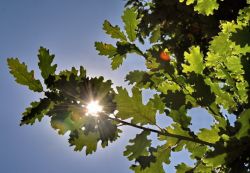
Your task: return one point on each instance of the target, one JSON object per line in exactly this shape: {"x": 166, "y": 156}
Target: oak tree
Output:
{"x": 198, "y": 56}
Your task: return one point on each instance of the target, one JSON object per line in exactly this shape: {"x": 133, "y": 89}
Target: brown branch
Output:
{"x": 165, "y": 133}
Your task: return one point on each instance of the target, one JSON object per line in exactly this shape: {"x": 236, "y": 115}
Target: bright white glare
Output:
{"x": 93, "y": 108}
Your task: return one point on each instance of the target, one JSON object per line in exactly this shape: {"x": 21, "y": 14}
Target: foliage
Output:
{"x": 20, "y": 72}
{"x": 209, "y": 69}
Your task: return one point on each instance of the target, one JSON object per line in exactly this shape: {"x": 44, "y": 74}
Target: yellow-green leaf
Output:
{"x": 209, "y": 135}
{"x": 114, "y": 31}
{"x": 194, "y": 61}
{"x": 131, "y": 23}
{"x": 23, "y": 76}
{"x": 133, "y": 107}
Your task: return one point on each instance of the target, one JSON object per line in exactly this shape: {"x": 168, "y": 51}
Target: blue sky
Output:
{"x": 69, "y": 29}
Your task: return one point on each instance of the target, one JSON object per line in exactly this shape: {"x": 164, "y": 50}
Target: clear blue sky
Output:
{"x": 69, "y": 29}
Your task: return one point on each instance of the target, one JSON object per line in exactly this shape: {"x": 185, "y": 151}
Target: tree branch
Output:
{"x": 165, "y": 133}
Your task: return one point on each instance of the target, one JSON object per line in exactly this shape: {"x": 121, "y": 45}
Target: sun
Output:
{"x": 93, "y": 108}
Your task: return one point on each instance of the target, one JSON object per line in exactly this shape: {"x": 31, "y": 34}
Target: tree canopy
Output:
{"x": 208, "y": 44}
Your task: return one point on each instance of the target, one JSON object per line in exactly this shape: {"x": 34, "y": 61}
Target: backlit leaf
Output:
{"x": 23, "y": 76}
{"x": 36, "y": 111}
{"x": 117, "y": 61}
{"x": 79, "y": 140}
{"x": 114, "y": 31}
{"x": 45, "y": 60}
{"x": 158, "y": 103}
{"x": 206, "y": 7}
{"x": 194, "y": 60}
{"x": 138, "y": 147}
{"x": 130, "y": 21}
{"x": 209, "y": 135}
{"x": 61, "y": 120}
{"x": 133, "y": 107}
{"x": 166, "y": 86}
{"x": 215, "y": 160}
{"x": 105, "y": 49}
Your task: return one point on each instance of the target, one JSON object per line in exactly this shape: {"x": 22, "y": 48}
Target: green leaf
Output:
{"x": 132, "y": 107}
{"x": 45, "y": 60}
{"x": 167, "y": 85}
{"x": 124, "y": 47}
{"x": 152, "y": 62}
{"x": 156, "y": 34}
{"x": 117, "y": 61}
{"x": 175, "y": 100}
{"x": 162, "y": 155}
{"x": 139, "y": 146}
{"x": 209, "y": 135}
{"x": 176, "y": 129}
{"x": 22, "y": 76}
{"x": 220, "y": 45}
{"x": 62, "y": 122}
{"x": 234, "y": 66}
{"x": 222, "y": 97}
{"x": 172, "y": 142}
{"x": 182, "y": 168}
{"x": 108, "y": 131}
{"x": 243, "y": 122}
{"x": 36, "y": 111}
{"x": 145, "y": 161}
{"x": 180, "y": 116}
{"x": 195, "y": 61}
{"x": 62, "y": 119}
{"x": 206, "y": 7}
{"x": 79, "y": 139}
{"x": 216, "y": 160}
{"x": 241, "y": 36}
{"x": 196, "y": 150}
{"x": 135, "y": 77}
{"x": 78, "y": 74}
{"x": 117, "y": 55}
{"x": 158, "y": 103}
{"x": 114, "y": 31}
{"x": 242, "y": 88}
{"x": 105, "y": 49}
{"x": 131, "y": 23}
{"x": 203, "y": 168}
{"x": 201, "y": 90}
{"x": 188, "y": 2}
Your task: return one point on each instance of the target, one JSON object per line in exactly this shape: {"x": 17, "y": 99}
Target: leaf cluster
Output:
{"x": 179, "y": 24}
{"x": 209, "y": 46}
{"x": 209, "y": 69}
{"x": 66, "y": 96}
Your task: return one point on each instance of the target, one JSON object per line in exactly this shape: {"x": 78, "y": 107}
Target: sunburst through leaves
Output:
{"x": 94, "y": 108}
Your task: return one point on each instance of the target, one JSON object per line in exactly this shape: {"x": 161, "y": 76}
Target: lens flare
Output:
{"x": 93, "y": 108}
